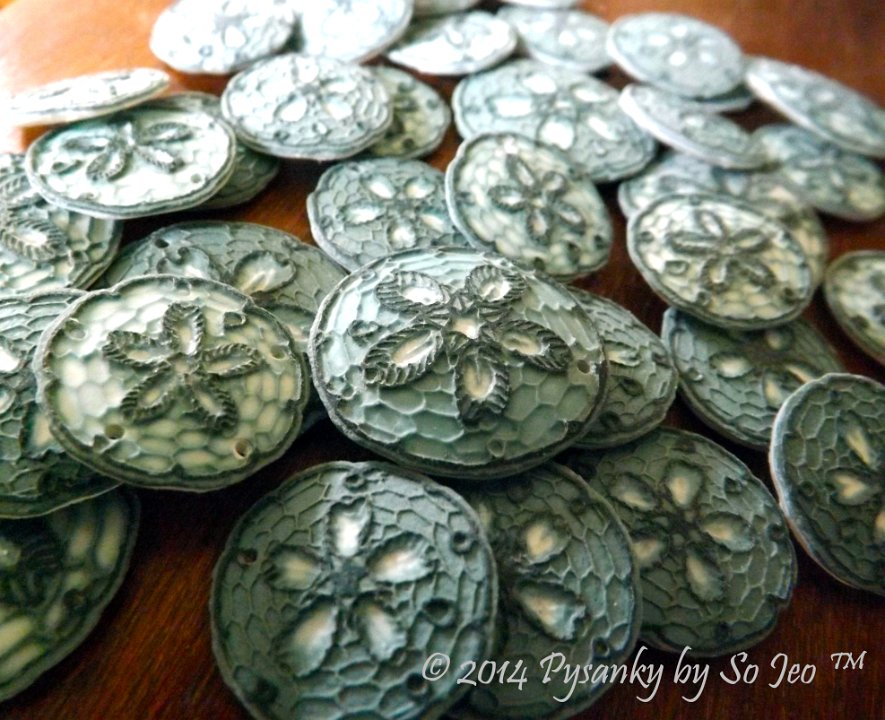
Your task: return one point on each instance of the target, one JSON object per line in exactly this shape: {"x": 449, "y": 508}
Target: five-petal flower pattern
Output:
{"x": 675, "y": 523}
{"x": 182, "y": 363}
{"x": 539, "y": 199}
{"x": 352, "y": 592}
{"x": 26, "y": 229}
{"x": 726, "y": 255}
{"x": 412, "y": 211}
{"x": 125, "y": 139}
{"x": 472, "y": 327}
{"x": 861, "y": 482}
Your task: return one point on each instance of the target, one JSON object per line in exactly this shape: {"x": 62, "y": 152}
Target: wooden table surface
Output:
{"x": 150, "y": 658}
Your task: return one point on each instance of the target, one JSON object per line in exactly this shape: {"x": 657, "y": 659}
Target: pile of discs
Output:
{"x": 432, "y": 324}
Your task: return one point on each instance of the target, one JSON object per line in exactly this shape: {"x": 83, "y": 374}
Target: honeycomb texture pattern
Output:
{"x": 457, "y": 363}
{"x": 714, "y": 551}
{"x": 568, "y": 585}
{"x": 171, "y": 382}
{"x": 59, "y": 572}
{"x": 43, "y": 247}
{"x": 335, "y": 588}
{"x": 828, "y": 462}
{"x": 642, "y": 379}
{"x": 736, "y": 381}
{"x": 281, "y": 274}
{"x": 36, "y": 475}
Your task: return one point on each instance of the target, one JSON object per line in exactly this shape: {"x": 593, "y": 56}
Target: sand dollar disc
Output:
{"x": 529, "y": 202}
{"x": 86, "y": 96}
{"x": 307, "y": 108}
{"x": 143, "y": 161}
{"x": 855, "y": 293}
{"x": 456, "y": 44}
{"x": 714, "y": 551}
{"x": 642, "y": 378}
{"x": 456, "y": 362}
{"x": 194, "y": 36}
{"x": 171, "y": 382}
{"x": 827, "y": 108}
{"x": 721, "y": 260}
{"x": 689, "y": 128}
{"x": 769, "y": 191}
{"x": 365, "y": 210}
{"x": 677, "y": 53}
{"x": 828, "y": 464}
{"x": 421, "y": 117}
{"x": 736, "y": 380}
{"x": 335, "y": 588}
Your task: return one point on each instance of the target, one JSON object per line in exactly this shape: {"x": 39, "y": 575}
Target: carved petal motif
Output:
{"x": 379, "y": 629}
{"x": 552, "y": 608}
{"x": 403, "y": 356}
{"x": 294, "y": 568}
{"x": 230, "y": 360}
{"x": 183, "y": 328}
{"x": 348, "y": 527}
{"x": 136, "y": 350}
{"x": 535, "y": 344}
{"x": 261, "y": 272}
{"x": 303, "y": 648}
{"x": 403, "y": 559}
{"x": 482, "y": 383}
{"x": 152, "y": 396}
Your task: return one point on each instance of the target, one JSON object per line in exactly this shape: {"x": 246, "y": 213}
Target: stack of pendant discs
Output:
{"x": 526, "y": 501}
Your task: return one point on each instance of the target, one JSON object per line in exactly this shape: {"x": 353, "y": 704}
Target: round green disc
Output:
{"x": 336, "y": 588}
{"x": 457, "y": 363}
{"x": 714, "y": 551}
{"x": 828, "y": 463}
{"x": 173, "y": 382}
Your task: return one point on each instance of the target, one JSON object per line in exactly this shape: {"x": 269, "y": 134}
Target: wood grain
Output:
{"x": 151, "y": 658}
